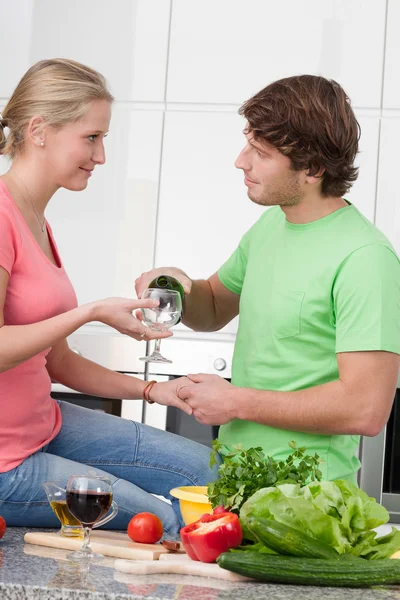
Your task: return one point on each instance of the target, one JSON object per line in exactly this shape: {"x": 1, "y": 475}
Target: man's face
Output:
{"x": 268, "y": 176}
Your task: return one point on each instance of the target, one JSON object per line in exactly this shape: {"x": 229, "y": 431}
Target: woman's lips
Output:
{"x": 88, "y": 171}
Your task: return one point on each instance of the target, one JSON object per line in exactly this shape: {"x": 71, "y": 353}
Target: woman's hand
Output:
{"x": 166, "y": 393}
{"x": 117, "y": 313}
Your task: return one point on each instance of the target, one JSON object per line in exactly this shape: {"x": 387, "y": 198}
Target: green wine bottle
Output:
{"x": 167, "y": 282}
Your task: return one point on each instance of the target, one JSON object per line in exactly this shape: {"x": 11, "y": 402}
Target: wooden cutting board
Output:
{"x": 177, "y": 566}
{"x": 108, "y": 543}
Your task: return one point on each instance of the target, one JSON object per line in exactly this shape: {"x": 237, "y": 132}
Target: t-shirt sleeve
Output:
{"x": 232, "y": 272}
{"x": 7, "y": 242}
{"x": 366, "y": 299}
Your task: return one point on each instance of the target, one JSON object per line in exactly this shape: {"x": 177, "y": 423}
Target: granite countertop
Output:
{"x": 30, "y": 572}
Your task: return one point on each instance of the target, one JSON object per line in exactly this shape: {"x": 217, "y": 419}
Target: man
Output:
{"x": 317, "y": 351}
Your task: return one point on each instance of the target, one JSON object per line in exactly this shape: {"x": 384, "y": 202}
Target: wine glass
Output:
{"x": 161, "y": 317}
{"x": 88, "y": 499}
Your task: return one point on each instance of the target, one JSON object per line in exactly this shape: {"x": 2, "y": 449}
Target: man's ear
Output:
{"x": 35, "y": 131}
{"x": 315, "y": 177}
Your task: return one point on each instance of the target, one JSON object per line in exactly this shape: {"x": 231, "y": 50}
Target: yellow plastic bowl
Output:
{"x": 193, "y": 502}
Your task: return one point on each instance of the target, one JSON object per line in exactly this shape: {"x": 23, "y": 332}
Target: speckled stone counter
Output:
{"x": 33, "y": 572}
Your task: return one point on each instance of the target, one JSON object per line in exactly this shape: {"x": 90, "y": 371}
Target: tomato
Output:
{"x": 145, "y": 528}
{"x": 2, "y": 527}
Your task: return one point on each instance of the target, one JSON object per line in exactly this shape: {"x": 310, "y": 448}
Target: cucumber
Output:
{"x": 311, "y": 571}
{"x": 286, "y": 540}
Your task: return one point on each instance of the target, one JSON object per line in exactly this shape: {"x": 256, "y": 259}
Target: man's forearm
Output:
{"x": 199, "y": 309}
{"x": 331, "y": 408}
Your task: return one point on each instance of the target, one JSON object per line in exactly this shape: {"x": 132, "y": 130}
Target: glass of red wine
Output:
{"x": 88, "y": 500}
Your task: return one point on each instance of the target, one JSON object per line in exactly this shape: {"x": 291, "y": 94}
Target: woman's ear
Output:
{"x": 35, "y": 131}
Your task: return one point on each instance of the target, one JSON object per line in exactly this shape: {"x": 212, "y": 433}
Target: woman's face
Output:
{"x": 71, "y": 152}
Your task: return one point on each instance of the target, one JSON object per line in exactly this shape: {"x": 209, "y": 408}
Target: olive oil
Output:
{"x": 70, "y": 525}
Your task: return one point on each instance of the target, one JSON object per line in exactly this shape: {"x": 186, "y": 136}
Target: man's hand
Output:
{"x": 212, "y": 399}
{"x": 168, "y": 393}
{"x": 143, "y": 281}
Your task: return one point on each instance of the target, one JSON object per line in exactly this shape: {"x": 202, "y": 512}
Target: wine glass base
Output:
{"x": 80, "y": 556}
{"x": 157, "y": 358}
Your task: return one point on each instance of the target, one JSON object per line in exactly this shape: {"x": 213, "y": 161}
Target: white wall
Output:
{"x": 179, "y": 70}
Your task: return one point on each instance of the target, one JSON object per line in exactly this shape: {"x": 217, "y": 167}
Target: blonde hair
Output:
{"x": 58, "y": 90}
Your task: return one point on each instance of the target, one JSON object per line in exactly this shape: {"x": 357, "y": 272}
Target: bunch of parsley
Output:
{"x": 243, "y": 472}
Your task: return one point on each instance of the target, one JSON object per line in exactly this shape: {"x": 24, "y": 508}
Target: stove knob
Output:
{"x": 219, "y": 364}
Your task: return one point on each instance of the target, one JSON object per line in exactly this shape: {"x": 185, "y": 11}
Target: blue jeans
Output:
{"x": 140, "y": 461}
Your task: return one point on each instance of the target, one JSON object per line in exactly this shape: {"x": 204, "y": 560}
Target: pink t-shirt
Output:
{"x": 37, "y": 290}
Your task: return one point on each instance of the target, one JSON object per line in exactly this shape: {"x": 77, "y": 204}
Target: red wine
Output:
{"x": 88, "y": 507}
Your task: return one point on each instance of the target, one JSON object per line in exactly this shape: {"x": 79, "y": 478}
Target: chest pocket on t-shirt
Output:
{"x": 286, "y": 313}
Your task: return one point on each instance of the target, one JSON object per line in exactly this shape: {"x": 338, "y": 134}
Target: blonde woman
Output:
{"x": 53, "y": 129}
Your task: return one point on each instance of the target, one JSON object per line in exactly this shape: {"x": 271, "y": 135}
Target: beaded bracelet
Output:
{"x": 147, "y": 390}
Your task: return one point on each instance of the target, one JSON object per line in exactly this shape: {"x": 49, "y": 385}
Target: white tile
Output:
{"x": 363, "y": 192}
{"x": 15, "y": 42}
{"x": 126, "y": 41}
{"x": 203, "y": 207}
{"x": 391, "y": 96}
{"x": 224, "y": 51}
{"x": 4, "y": 165}
{"x": 388, "y": 197}
{"x": 106, "y": 233}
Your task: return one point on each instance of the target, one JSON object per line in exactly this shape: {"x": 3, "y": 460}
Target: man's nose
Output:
{"x": 241, "y": 162}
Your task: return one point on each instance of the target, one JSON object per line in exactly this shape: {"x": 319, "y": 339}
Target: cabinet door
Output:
{"x": 363, "y": 192}
{"x": 222, "y": 52}
{"x": 132, "y": 409}
{"x": 106, "y": 233}
{"x": 203, "y": 206}
{"x": 391, "y": 87}
{"x": 388, "y": 199}
{"x": 15, "y": 43}
{"x": 126, "y": 41}
{"x": 155, "y": 415}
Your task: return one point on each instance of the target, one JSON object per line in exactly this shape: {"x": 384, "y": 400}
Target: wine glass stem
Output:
{"x": 86, "y": 539}
{"x": 157, "y": 346}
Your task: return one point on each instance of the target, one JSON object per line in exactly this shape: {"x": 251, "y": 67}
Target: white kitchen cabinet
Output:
{"x": 363, "y": 192}
{"x": 126, "y": 41}
{"x": 106, "y": 233}
{"x": 388, "y": 197}
{"x": 391, "y": 88}
{"x": 4, "y": 165}
{"x": 203, "y": 207}
{"x": 15, "y": 43}
{"x": 224, "y": 51}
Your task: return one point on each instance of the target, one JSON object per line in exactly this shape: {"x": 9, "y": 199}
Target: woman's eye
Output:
{"x": 92, "y": 137}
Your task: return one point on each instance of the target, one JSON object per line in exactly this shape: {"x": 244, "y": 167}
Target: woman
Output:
{"x": 53, "y": 129}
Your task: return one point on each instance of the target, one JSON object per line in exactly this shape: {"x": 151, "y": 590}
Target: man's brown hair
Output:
{"x": 309, "y": 119}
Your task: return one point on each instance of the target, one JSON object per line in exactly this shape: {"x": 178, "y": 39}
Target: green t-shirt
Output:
{"x": 308, "y": 291}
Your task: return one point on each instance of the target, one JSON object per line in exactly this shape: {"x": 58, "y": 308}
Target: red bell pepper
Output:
{"x": 211, "y": 535}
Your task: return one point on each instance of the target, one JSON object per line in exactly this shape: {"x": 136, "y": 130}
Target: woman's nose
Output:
{"x": 99, "y": 156}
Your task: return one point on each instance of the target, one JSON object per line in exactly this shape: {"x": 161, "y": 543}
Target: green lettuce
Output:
{"x": 335, "y": 512}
